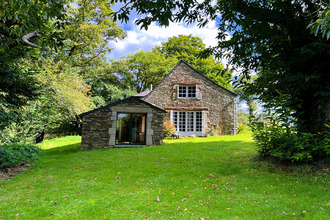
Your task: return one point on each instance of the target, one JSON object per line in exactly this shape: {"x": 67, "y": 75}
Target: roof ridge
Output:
{"x": 182, "y": 61}
{"x": 163, "y": 79}
{"x": 120, "y": 101}
{"x": 233, "y": 93}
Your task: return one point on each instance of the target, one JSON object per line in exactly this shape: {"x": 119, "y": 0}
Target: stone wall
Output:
{"x": 95, "y": 130}
{"x": 157, "y": 126}
{"x": 218, "y": 104}
{"x": 99, "y": 127}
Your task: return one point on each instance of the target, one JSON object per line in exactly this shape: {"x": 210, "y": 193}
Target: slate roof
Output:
{"x": 143, "y": 94}
{"x": 121, "y": 101}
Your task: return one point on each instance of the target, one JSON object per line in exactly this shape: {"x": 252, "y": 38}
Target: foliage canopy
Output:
{"x": 143, "y": 69}
{"x": 267, "y": 36}
{"x": 190, "y": 48}
{"x": 52, "y": 57}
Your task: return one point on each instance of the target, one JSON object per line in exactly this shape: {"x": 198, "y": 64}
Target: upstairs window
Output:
{"x": 187, "y": 92}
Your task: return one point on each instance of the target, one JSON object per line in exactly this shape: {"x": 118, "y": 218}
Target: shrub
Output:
{"x": 260, "y": 124}
{"x": 169, "y": 129}
{"x": 282, "y": 141}
{"x": 214, "y": 129}
{"x": 17, "y": 154}
{"x": 241, "y": 128}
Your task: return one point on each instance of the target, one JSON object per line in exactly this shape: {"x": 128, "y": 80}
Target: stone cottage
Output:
{"x": 195, "y": 104}
{"x": 192, "y": 102}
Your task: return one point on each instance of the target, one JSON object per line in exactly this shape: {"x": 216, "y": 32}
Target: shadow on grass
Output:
{"x": 66, "y": 149}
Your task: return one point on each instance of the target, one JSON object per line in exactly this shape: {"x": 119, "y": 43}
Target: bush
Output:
{"x": 17, "y": 154}
{"x": 214, "y": 129}
{"x": 169, "y": 129}
{"x": 241, "y": 128}
{"x": 260, "y": 124}
{"x": 283, "y": 142}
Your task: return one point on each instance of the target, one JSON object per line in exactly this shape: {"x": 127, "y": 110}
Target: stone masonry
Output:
{"x": 99, "y": 126}
{"x": 217, "y": 103}
{"x": 95, "y": 130}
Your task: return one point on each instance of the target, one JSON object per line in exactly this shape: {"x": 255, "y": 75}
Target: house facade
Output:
{"x": 192, "y": 102}
{"x": 195, "y": 104}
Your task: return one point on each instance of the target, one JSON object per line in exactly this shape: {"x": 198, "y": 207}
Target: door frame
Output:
{"x": 130, "y": 128}
{"x": 188, "y": 133}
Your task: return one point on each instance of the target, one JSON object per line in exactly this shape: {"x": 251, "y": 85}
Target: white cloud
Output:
{"x": 147, "y": 39}
{"x": 243, "y": 107}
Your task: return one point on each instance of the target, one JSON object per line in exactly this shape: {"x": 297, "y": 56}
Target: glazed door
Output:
{"x": 131, "y": 129}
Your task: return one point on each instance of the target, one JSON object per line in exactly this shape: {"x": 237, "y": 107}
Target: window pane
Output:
{"x": 198, "y": 121}
{"x": 182, "y": 121}
{"x": 175, "y": 119}
{"x": 182, "y": 91}
{"x": 138, "y": 128}
{"x": 192, "y": 91}
{"x": 190, "y": 121}
{"x": 123, "y": 124}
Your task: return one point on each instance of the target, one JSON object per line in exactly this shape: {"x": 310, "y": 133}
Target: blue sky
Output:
{"x": 145, "y": 40}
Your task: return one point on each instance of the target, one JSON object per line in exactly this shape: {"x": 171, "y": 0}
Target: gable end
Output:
{"x": 184, "y": 62}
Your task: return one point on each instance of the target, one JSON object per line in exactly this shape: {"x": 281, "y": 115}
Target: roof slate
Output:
{"x": 144, "y": 93}
{"x": 121, "y": 101}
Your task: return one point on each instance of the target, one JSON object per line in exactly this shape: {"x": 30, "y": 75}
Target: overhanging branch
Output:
{"x": 28, "y": 36}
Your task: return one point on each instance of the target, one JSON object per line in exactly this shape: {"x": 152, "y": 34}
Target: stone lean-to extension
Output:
{"x": 104, "y": 128}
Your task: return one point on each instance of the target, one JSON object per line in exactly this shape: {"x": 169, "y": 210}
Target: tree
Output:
{"x": 88, "y": 33}
{"x": 267, "y": 36}
{"x": 77, "y": 30}
{"x": 63, "y": 94}
{"x": 322, "y": 24}
{"x": 74, "y": 79}
{"x": 26, "y": 27}
{"x": 143, "y": 69}
{"x": 50, "y": 54}
{"x": 189, "y": 49}
{"x": 107, "y": 88}
{"x": 240, "y": 85}
{"x": 243, "y": 118}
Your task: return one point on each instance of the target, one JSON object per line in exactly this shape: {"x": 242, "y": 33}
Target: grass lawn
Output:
{"x": 210, "y": 178}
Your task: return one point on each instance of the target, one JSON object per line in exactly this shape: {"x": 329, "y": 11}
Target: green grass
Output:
{"x": 214, "y": 177}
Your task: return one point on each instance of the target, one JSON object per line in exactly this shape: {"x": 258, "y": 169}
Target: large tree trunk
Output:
{"x": 314, "y": 114}
{"x": 327, "y": 116}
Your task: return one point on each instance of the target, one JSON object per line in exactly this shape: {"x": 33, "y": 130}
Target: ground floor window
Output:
{"x": 131, "y": 128}
{"x": 188, "y": 122}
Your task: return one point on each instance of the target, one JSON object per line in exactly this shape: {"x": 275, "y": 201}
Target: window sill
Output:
{"x": 187, "y": 98}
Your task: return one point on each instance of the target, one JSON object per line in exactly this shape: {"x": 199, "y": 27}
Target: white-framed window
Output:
{"x": 187, "y": 92}
{"x": 188, "y": 122}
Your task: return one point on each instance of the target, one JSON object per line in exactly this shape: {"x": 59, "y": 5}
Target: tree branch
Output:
{"x": 28, "y": 36}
